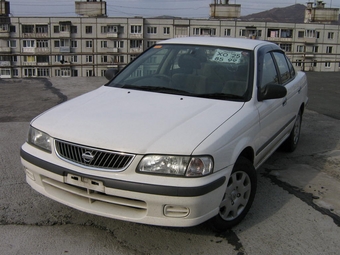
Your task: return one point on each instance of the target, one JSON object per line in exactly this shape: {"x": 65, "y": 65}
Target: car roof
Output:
{"x": 241, "y": 43}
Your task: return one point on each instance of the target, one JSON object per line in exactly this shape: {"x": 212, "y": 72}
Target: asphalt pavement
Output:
{"x": 296, "y": 209}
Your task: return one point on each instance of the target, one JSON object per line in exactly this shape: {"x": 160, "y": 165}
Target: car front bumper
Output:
{"x": 155, "y": 204}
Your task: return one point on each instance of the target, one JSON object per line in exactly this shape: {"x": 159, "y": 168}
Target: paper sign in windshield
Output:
{"x": 225, "y": 56}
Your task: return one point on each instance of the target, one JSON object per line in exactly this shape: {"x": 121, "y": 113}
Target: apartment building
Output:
{"x": 88, "y": 46}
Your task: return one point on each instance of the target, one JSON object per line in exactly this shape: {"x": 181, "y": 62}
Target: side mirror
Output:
{"x": 272, "y": 91}
{"x": 110, "y": 73}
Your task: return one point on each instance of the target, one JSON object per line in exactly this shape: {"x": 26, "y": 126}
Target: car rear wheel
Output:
{"x": 238, "y": 196}
{"x": 292, "y": 141}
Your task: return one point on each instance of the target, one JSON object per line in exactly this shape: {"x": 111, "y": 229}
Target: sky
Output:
{"x": 148, "y": 8}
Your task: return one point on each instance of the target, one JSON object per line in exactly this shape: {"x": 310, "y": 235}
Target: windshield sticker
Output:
{"x": 226, "y": 56}
{"x": 157, "y": 47}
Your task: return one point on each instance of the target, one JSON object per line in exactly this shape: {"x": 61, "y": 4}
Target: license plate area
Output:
{"x": 85, "y": 182}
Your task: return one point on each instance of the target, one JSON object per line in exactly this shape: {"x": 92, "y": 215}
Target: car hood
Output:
{"x": 136, "y": 121}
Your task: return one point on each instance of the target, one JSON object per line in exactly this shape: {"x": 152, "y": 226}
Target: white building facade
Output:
{"x": 87, "y": 46}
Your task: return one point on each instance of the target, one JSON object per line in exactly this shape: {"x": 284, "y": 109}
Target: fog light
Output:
{"x": 175, "y": 211}
{"x": 29, "y": 174}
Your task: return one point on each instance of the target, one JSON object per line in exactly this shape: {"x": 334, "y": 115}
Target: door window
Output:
{"x": 269, "y": 74}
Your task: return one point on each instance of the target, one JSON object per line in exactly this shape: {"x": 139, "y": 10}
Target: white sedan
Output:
{"x": 175, "y": 138}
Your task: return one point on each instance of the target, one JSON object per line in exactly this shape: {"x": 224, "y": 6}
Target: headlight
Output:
{"x": 39, "y": 139}
{"x": 176, "y": 165}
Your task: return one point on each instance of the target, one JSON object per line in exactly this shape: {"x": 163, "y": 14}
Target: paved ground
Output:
{"x": 296, "y": 209}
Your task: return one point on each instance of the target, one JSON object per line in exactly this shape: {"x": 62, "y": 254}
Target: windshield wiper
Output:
{"x": 158, "y": 89}
{"x": 220, "y": 96}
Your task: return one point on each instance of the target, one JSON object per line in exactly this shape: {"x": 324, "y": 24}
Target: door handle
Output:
{"x": 284, "y": 102}
{"x": 299, "y": 90}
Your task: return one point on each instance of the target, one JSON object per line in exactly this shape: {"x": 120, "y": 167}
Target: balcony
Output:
{"x": 309, "y": 55}
{"x": 65, "y": 34}
{"x": 28, "y": 50}
{"x": 5, "y": 63}
{"x": 136, "y": 50}
{"x": 42, "y": 50}
{"x": 5, "y": 49}
{"x": 4, "y": 34}
{"x": 135, "y": 35}
{"x": 279, "y": 39}
{"x": 114, "y": 50}
{"x": 42, "y": 63}
{"x": 308, "y": 40}
{"x": 112, "y": 35}
{"x": 65, "y": 49}
{"x": 30, "y": 63}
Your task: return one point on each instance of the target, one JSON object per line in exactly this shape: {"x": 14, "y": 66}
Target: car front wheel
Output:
{"x": 238, "y": 196}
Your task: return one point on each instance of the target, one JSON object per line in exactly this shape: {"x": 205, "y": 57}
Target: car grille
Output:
{"x": 93, "y": 157}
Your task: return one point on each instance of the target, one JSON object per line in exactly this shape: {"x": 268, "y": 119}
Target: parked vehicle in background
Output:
{"x": 175, "y": 138}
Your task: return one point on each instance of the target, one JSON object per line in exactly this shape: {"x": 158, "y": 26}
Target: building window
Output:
{"x": 27, "y": 29}
{"x": 74, "y": 73}
{"x": 74, "y": 44}
{"x": 300, "y": 48}
{"x": 301, "y": 34}
{"x": 327, "y": 64}
{"x": 118, "y": 44}
{"x": 103, "y": 59}
{"x": 63, "y": 72}
{"x": 166, "y": 30}
{"x": 29, "y": 59}
{"x": 329, "y": 49}
{"x": 29, "y": 72}
{"x": 74, "y": 29}
{"x": 89, "y": 73}
{"x": 15, "y": 72}
{"x": 152, "y": 30}
{"x": 298, "y": 62}
{"x": 42, "y": 43}
{"x": 74, "y": 59}
{"x": 56, "y": 29}
{"x": 330, "y": 35}
{"x": 136, "y": 29}
{"x": 28, "y": 43}
{"x": 315, "y": 63}
{"x": 88, "y": 44}
{"x": 43, "y": 72}
{"x": 227, "y": 32}
{"x": 136, "y": 44}
{"x": 315, "y": 49}
{"x": 5, "y": 72}
{"x": 204, "y": 31}
{"x": 12, "y": 29}
{"x": 12, "y": 43}
{"x": 310, "y": 33}
{"x": 89, "y": 59}
{"x": 150, "y": 43}
{"x": 43, "y": 59}
{"x": 41, "y": 29}
{"x": 118, "y": 59}
{"x": 88, "y": 29}
{"x": 56, "y": 44}
{"x": 287, "y": 47}
{"x": 103, "y": 44}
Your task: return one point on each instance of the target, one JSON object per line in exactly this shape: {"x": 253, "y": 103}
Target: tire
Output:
{"x": 293, "y": 139}
{"x": 238, "y": 197}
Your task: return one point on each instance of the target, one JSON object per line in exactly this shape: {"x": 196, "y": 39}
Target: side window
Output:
{"x": 283, "y": 66}
{"x": 291, "y": 68}
{"x": 269, "y": 74}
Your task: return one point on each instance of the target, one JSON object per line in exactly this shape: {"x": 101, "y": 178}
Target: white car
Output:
{"x": 175, "y": 138}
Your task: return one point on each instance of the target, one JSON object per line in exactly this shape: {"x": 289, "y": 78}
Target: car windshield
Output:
{"x": 190, "y": 70}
